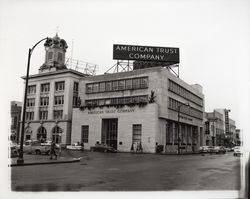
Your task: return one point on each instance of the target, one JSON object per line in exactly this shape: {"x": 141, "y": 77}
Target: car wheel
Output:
{"x": 38, "y": 152}
{"x": 48, "y": 152}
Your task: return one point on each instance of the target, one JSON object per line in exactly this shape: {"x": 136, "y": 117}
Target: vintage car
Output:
{"x": 75, "y": 146}
{"x": 103, "y": 148}
{"x": 238, "y": 151}
{"x": 205, "y": 149}
{"x": 218, "y": 150}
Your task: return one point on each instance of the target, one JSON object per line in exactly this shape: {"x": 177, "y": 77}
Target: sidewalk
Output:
{"x": 42, "y": 159}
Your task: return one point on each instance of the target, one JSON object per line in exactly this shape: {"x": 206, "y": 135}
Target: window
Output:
{"x": 137, "y": 131}
{"x": 85, "y": 134}
{"x": 30, "y": 115}
{"x": 144, "y": 82}
{"x": 115, "y": 85}
{"x": 59, "y": 100}
{"x": 108, "y": 86}
{"x": 128, "y": 83}
{"x": 59, "y": 57}
{"x": 30, "y": 102}
{"x": 58, "y": 114}
{"x": 107, "y": 101}
{"x": 42, "y": 134}
{"x": 121, "y": 100}
{"x": 32, "y": 89}
{"x": 45, "y": 88}
{"x": 44, "y": 101}
{"x": 121, "y": 84}
{"x": 75, "y": 101}
{"x": 143, "y": 99}
{"x": 136, "y": 83}
{"x": 57, "y": 134}
{"x": 135, "y": 99}
{"x": 59, "y": 86}
{"x": 168, "y": 132}
{"x": 102, "y": 87}
{"x": 101, "y": 102}
{"x": 76, "y": 85}
{"x": 43, "y": 115}
{"x": 95, "y": 88}
{"x": 50, "y": 55}
{"x": 89, "y": 88}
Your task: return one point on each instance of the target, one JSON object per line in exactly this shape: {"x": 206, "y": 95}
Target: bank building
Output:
{"x": 146, "y": 105}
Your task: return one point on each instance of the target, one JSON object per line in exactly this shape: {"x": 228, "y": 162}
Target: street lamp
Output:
{"x": 20, "y": 159}
{"x": 179, "y": 109}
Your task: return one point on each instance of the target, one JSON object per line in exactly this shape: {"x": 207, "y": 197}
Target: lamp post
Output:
{"x": 20, "y": 159}
{"x": 179, "y": 110}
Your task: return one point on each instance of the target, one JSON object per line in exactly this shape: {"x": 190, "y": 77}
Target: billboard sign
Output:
{"x": 145, "y": 53}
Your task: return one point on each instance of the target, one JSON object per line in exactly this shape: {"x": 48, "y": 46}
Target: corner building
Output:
{"x": 51, "y": 95}
{"x": 149, "y": 106}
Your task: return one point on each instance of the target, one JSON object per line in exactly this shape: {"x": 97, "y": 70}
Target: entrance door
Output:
{"x": 109, "y": 132}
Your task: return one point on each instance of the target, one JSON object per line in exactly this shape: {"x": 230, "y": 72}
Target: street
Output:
{"x": 131, "y": 172}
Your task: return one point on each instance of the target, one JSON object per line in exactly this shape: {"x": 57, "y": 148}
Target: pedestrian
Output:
{"x": 53, "y": 150}
{"x": 82, "y": 146}
{"x": 132, "y": 148}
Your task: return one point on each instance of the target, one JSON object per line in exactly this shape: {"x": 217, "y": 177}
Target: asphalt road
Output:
{"x": 131, "y": 172}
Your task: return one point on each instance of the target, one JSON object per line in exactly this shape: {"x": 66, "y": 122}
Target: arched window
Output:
{"x": 42, "y": 134}
{"x": 56, "y": 134}
{"x": 28, "y": 133}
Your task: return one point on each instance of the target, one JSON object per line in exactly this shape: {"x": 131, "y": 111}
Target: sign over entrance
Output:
{"x": 145, "y": 53}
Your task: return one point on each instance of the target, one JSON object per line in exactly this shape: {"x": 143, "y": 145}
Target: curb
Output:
{"x": 50, "y": 162}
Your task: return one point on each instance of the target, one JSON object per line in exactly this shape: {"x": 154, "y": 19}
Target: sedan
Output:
{"x": 103, "y": 148}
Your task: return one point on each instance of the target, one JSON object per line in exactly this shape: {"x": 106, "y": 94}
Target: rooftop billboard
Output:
{"x": 145, "y": 53}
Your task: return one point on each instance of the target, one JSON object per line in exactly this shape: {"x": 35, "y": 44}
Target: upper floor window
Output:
{"x": 116, "y": 85}
{"x": 58, "y": 114}
{"x": 44, "y": 101}
{"x": 59, "y": 100}
{"x": 32, "y": 89}
{"x": 59, "y": 57}
{"x": 50, "y": 55}
{"x": 30, "y": 102}
{"x": 29, "y": 115}
{"x": 45, "y": 88}
{"x": 59, "y": 86}
{"x": 43, "y": 115}
{"x": 76, "y": 85}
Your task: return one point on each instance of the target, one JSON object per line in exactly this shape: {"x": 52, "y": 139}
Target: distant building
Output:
{"x": 214, "y": 128}
{"x": 52, "y": 93}
{"x": 219, "y": 128}
{"x": 150, "y": 106}
{"x": 238, "y": 136}
{"x": 15, "y": 112}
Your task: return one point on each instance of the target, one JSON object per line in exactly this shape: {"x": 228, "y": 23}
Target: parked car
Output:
{"x": 75, "y": 146}
{"x": 103, "y": 148}
{"x": 238, "y": 151}
{"x": 38, "y": 148}
{"x": 218, "y": 150}
{"x": 204, "y": 149}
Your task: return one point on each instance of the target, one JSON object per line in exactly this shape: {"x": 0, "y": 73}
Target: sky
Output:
{"x": 213, "y": 37}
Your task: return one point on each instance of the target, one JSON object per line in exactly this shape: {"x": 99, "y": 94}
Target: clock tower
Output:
{"x": 55, "y": 49}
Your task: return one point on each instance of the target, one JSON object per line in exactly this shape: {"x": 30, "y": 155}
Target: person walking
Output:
{"x": 53, "y": 150}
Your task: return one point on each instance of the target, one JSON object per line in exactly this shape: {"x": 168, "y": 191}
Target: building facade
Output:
{"x": 51, "y": 95}
{"x": 214, "y": 129}
{"x": 220, "y": 129}
{"x": 150, "y": 107}
{"x": 15, "y": 113}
